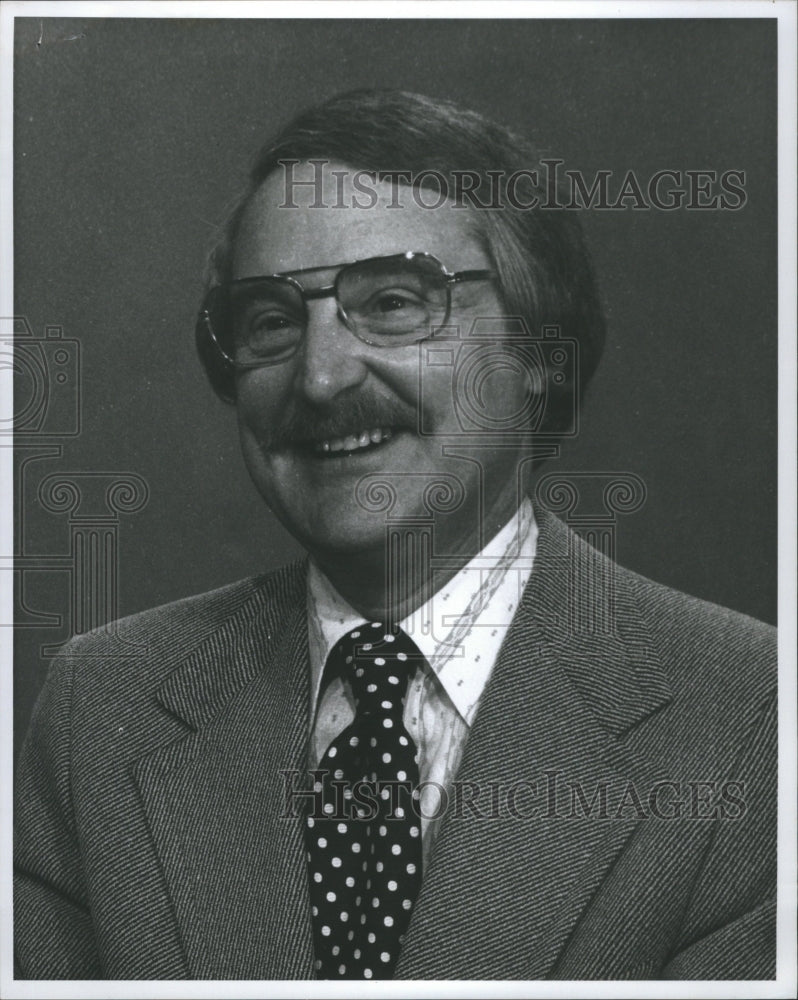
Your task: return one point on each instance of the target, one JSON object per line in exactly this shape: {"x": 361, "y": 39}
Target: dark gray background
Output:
{"x": 132, "y": 137}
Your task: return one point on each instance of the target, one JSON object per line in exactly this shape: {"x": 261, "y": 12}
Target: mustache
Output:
{"x": 302, "y": 423}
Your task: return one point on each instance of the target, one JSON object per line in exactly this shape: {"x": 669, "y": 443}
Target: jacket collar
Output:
{"x": 576, "y": 673}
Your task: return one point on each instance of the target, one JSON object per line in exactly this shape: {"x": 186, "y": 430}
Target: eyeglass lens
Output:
{"x": 383, "y": 301}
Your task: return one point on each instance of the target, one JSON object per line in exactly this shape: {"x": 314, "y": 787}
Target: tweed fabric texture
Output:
{"x": 613, "y": 815}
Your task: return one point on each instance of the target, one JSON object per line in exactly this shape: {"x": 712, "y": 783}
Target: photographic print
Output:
{"x": 394, "y": 451}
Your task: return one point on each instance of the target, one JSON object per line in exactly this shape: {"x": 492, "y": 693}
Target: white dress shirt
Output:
{"x": 459, "y": 630}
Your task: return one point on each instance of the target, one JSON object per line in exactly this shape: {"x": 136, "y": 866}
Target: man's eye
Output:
{"x": 394, "y": 301}
{"x": 269, "y": 323}
{"x": 264, "y": 324}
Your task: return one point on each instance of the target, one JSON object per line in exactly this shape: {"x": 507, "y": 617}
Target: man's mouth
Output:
{"x": 362, "y": 441}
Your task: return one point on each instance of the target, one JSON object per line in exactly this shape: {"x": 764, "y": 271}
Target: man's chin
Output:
{"x": 341, "y": 539}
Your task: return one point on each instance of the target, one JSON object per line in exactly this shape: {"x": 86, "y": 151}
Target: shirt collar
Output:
{"x": 459, "y": 629}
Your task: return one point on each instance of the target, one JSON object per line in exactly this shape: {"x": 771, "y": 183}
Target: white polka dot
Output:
{"x": 401, "y": 656}
{"x": 380, "y": 866}
{"x": 391, "y": 885}
{"x": 413, "y": 831}
{"x": 387, "y": 704}
{"x": 373, "y": 741}
{"x": 385, "y": 794}
{"x": 388, "y": 723}
{"x": 338, "y": 774}
{"x": 383, "y": 830}
{"x": 342, "y": 828}
{"x": 375, "y": 902}
{"x": 336, "y": 950}
{"x": 325, "y": 931}
{"x": 385, "y": 956}
{"x": 372, "y": 937}
{"x": 393, "y": 680}
{"x": 322, "y": 841}
{"x": 314, "y": 910}
{"x": 332, "y": 751}
{"x": 336, "y": 862}
{"x": 396, "y": 849}
{"x": 366, "y": 646}
{"x": 317, "y": 876}
{"x": 317, "y": 786}
{"x": 386, "y": 758}
{"x": 350, "y": 935}
{"x": 363, "y": 919}
{"x": 371, "y": 688}
{"x": 356, "y": 848}
{"x": 379, "y": 661}
{"x": 388, "y": 921}
{"x": 328, "y": 808}
{"x": 341, "y": 969}
{"x": 311, "y": 821}
{"x": 400, "y": 812}
{"x": 367, "y": 973}
{"x": 359, "y": 672}
{"x": 388, "y": 637}
{"x": 331, "y": 897}
{"x": 411, "y": 869}
{"x": 355, "y": 635}
{"x": 403, "y": 740}
{"x": 406, "y": 904}
{"x": 353, "y": 741}
{"x": 351, "y": 882}
{"x": 344, "y": 916}
{"x": 356, "y": 952}
{"x": 401, "y": 775}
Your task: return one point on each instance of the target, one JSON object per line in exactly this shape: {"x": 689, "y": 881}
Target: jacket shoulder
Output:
{"x": 716, "y": 657}
{"x": 150, "y": 643}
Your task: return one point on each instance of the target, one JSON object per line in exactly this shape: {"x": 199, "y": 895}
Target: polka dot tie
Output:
{"x": 363, "y": 832}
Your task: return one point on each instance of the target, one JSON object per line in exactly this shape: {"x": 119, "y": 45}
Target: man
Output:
{"x": 457, "y": 742}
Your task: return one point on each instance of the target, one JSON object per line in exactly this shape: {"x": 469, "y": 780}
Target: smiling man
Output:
{"x": 456, "y": 742}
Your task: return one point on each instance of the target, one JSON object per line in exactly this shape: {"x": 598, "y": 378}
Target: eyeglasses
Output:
{"x": 385, "y": 301}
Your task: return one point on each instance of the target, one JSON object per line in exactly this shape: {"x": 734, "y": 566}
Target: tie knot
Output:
{"x": 377, "y": 662}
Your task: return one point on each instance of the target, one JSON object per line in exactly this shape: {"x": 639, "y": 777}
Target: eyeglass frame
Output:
{"x": 325, "y": 291}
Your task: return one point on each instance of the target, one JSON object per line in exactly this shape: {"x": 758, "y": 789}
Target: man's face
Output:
{"x": 337, "y": 390}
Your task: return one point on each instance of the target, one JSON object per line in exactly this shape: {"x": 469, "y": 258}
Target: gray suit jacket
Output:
{"x": 151, "y": 832}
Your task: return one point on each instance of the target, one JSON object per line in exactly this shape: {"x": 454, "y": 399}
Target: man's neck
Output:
{"x": 385, "y": 593}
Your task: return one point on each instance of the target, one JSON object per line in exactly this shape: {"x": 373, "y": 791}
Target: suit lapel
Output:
{"x": 231, "y": 854}
{"x": 505, "y": 888}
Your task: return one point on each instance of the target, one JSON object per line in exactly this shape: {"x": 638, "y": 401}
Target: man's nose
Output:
{"x": 330, "y": 358}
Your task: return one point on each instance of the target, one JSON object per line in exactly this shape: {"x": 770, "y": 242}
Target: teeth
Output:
{"x": 354, "y": 442}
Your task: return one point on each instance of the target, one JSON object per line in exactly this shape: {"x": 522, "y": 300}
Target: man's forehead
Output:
{"x": 318, "y": 216}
